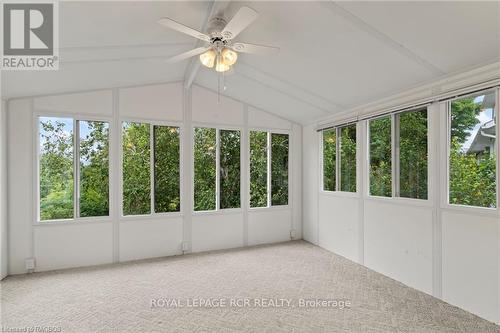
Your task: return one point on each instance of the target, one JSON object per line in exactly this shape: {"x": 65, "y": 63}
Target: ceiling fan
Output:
{"x": 221, "y": 51}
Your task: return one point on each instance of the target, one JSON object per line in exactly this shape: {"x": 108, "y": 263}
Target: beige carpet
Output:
{"x": 119, "y": 298}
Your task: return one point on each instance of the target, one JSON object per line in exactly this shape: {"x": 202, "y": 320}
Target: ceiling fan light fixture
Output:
{"x": 207, "y": 58}
{"x": 222, "y": 67}
{"x": 229, "y": 56}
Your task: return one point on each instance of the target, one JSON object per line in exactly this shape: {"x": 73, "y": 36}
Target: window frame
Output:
{"x": 338, "y": 174}
{"x": 151, "y": 123}
{"x": 395, "y": 163}
{"x": 445, "y": 202}
{"x": 76, "y": 118}
{"x": 268, "y": 131}
{"x": 217, "y": 209}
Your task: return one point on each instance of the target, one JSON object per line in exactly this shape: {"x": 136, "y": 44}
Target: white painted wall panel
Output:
{"x": 470, "y": 263}
{"x": 94, "y": 103}
{"x": 217, "y": 231}
{"x": 268, "y": 226}
{"x": 157, "y": 102}
{"x": 310, "y": 184}
{"x": 296, "y": 179}
{"x": 398, "y": 242}
{"x": 261, "y": 119}
{"x": 338, "y": 225}
{"x": 206, "y": 108}
{"x": 20, "y": 191}
{"x": 150, "y": 238}
{"x": 3, "y": 191}
{"x": 64, "y": 246}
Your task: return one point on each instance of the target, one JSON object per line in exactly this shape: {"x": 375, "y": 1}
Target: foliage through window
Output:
{"x": 94, "y": 168}
{"x": 56, "y": 168}
{"x": 380, "y": 157}
{"x": 472, "y": 155}
{"x": 348, "y": 158}
{"x": 59, "y": 157}
{"x": 230, "y": 169}
{"x": 279, "y": 169}
{"x": 412, "y": 154}
{"x": 268, "y": 152}
{"x": 258, "y": 169}
{"x": 205, "y": 149}
{"x": 329, "y": 159}
{"x": 166, "y": 169}
{"x": 136, "y": 169}
{"x": 210, "y": 145}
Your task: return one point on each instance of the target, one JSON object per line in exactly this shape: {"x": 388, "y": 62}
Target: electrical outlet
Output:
{"x": 30, "y": 263}
{"x": 293, "y": 234}
{"x": 185, "y": 246}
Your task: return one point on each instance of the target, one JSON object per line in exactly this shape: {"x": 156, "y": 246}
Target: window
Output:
{"x": 472, "y": 151}
{"x": 268, "y": 169}
{"x": 329, "y": 159}
{"x": 409, "y": 163}
{"x": 94, "y": 168}
{"x": 380, "y": 157}
{"x": 411, "y": 148}
{"x": 56, "y": 160}
{"x": 348, "y": 158}
{"x": 205, "y": 143}
{"x": 61, "y": 153}
{"x": 151, "y": 168}
{"x": 339, "y": 170}
{"x": 230, "y": 163}
{"x": 136, "y": 169}
{"x": 167, "y": 169}
{"x": 258, "y": 169}
{"x": 212, "y": 145}
{"x": 279, "y": 169}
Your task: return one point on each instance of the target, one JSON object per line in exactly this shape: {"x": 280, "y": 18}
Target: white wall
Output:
{"x": 450, "y": 252}
{"x": 121, "y": 238}
{"x": 3, "y": 191}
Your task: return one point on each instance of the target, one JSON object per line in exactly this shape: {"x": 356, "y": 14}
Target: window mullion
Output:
{"x": 393, "y": 155}
{"x": 152, "y": 168}
{"x": 337, "y": 159}
{"x": 217, "y": 169}
{"x": 397, "y": 151}
{"x": 76, "y": 168}
{"x": 269, "y": 176}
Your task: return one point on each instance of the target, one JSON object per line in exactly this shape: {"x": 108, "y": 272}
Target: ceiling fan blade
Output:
{"x": 255, "y": 48}
{"x": 169, "y": 23}
{"x": 188, "y": 54}
{"x": 243, "y": 18}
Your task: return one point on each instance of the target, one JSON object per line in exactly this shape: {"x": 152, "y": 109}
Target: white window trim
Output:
{"x": 152, "y": 214}
{"x": 269, "y": 205}
{"x": 76, "y": 118}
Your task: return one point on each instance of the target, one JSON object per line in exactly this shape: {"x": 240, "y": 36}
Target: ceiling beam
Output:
{"x": 385, "y": 39}
{"x": 215, "y": 7}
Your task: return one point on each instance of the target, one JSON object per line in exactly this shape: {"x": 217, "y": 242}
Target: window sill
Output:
{"x": 267, "y": 209}
{"x": 156, "y": 216}
{"x": 426, "y": 203}
{"x": 77, "y": 221}
{"x": 341, "y": 194}
{"x": 218, "y": 212}
{"x": 483, "y": 211}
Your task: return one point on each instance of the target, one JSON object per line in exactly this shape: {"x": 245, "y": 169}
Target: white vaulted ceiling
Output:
{"x": 334, "y": 55}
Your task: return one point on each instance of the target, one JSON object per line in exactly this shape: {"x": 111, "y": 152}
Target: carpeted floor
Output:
{"x": 248, "y": 289}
